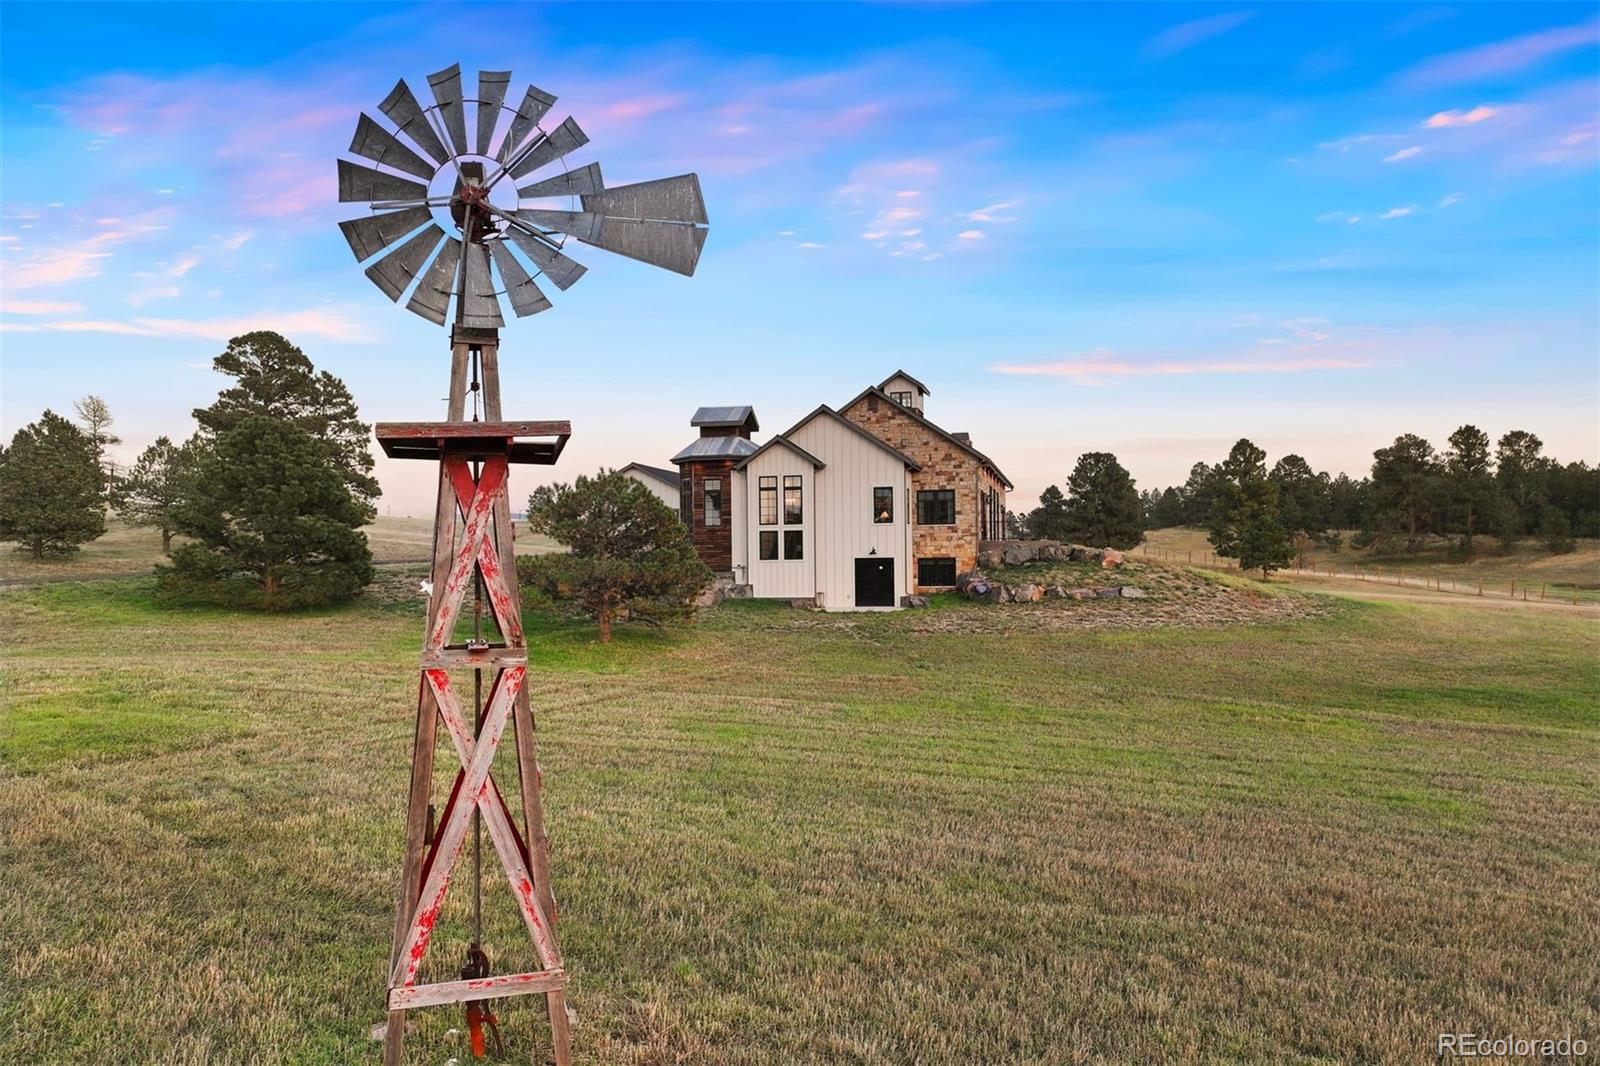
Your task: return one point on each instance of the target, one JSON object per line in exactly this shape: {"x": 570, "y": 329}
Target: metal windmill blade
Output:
{"x": 445, "y": 240}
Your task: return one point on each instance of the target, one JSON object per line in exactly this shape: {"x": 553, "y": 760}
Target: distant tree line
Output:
{"x": 1508, "y": 490}
{"x": 1266, "y": 516}
{"x": 271, "y": 491}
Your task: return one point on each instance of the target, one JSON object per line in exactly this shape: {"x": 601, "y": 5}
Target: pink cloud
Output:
{"x": 319, "y": 322}
{"x": 1502, "y": 57}
{"x": 1447, "y": 119}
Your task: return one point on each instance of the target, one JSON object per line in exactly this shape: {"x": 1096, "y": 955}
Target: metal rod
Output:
{"x": 477, "y": 693}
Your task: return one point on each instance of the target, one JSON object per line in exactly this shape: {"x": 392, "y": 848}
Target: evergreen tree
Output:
{"x": 155, "y": 488}
{"x": 275, "y": 523}
{"x": 50, "y": 488}
{"x": 1102, "y": 507}
{"x": 275, "y": 379}
{"x": 1347, "y": 502}
{"x": 1470, "y": 478}
{"x": 1048, "y": 521}
{"x": 1244, "y": 520}
{"x": 629, "y": 554}
{"x": 1556, "y": 530}
{"x": 1521, "y": 468}
{"x": 95, "y": 415}
{"x": 1199, "y": 495}
{"x": 1575, "y": 489}
{"x": 1405, "y": 488}
{"x": 1303, "y": 496}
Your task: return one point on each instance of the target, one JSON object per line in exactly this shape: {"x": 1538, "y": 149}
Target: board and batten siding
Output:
{"x": 780, "y": 578}
{"x": 667, "y": 494}
{"x": 842, "y": 510}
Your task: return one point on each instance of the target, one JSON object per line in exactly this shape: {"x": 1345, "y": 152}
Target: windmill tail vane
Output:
{"x": 423, "y": 180}
{"x": 458, "y": 223}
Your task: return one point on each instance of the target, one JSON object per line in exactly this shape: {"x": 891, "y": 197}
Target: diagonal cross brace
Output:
{"x": 479, "y": 519}
{"x": 506, "y": 612}
{"x": 471, "y": 785}
{"x": 502, "y": 831}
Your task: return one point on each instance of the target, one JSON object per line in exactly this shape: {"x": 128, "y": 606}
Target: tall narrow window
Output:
{"x": 769, "y": 502}
{"x": 936, "y": 507}
{"x": 883, "y": 504}
{"x": 793, "y": 513}
{"x": 712, "y": 490}
{"x": 686, "y": 498}
{"x": 769, "y": 543}
{"x": 794, "y": 543}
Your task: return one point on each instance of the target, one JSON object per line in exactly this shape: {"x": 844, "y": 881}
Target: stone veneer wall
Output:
{"x": 944, "y": 466}
{"x": 713, "y": 543}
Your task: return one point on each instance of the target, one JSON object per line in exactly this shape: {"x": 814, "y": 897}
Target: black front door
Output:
{"x": 874, "y": 582}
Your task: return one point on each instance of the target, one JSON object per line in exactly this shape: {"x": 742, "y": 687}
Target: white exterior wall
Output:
{"x": 841, "y": 510}
{"x": 900, "y": 384}
{"x": 667, "y": 493}
{"x": 779, "y": 578}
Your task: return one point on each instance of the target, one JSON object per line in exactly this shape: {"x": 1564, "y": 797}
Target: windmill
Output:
{"x": 442, "y": 229}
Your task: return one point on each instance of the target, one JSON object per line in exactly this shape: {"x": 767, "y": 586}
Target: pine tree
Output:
{"x": 630, "y": 556}
{"x": 1244, "y": 514}
{"x": 155, "y": 487}
{"x": 1303, "y": 496}
{"x": 1519, "y": 457}
{"x": 1470, "y": 477}
{"x": 275, "y": 523}
{"x": 95, "y": 415}
{"x": 1048, "y": 521}
{"x": 1406, "y": 488}
{"x": 50, "y": 488}
{"x": 1102, "y": 507}
{"x": 275, "y": 379}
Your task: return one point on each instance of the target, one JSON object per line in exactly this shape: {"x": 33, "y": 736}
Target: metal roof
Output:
{"x": 725, "y": 416}
{"x": 660, "y": 473}
{"x": 715, "y": 448}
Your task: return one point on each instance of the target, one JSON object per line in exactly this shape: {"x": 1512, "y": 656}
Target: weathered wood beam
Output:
{"x": 509, "y": 984}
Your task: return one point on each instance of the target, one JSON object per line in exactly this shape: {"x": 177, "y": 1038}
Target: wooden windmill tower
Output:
{"x": 433, "y": 231}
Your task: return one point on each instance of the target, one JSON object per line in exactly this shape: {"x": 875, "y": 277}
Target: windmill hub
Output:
{"x": 426, "y": 163}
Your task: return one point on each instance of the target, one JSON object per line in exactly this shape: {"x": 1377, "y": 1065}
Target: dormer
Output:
{"x": 726, "y": 421}
{"x": 906, "y": 390}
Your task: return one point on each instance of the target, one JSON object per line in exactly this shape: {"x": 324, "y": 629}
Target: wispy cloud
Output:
{"x": 1397, "y": 212}
{"x": 1185, "y": 35}
{"x": 1447, "y": 119}
{"x": 1091, "y": 368}
{"x": 333, "y": 325}
{"x": 39, "y": 307}
{"x": 1502, "y": 57}
{"x": 1403, "y": 154}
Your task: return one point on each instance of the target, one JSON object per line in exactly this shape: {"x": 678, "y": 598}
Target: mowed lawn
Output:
{"x": 1320, "y": 841}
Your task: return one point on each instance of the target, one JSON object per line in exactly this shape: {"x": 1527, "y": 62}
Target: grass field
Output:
{"x": 1526, "y": 567}
{"x": 1316, "y": 841}
{"x": 127, "y": 550}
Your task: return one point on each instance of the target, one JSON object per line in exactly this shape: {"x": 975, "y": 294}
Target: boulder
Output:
{"x": 978, "y": 587}
{"x": 913, "y": 601}
{"x": 1108, "y": 593}
{"x": 1051, "y": 552}
{"x": 1129, "y": 592}
{"x": 996, "y": 593}
{"x": 991, "y": 556}
{"x": 963, "y": 580}
{"x": 1019, "y": 552}
{"x": 1110, "y": 557}
{"x": 1080, "y": 594}
{"x": 1027, "y": 594}
{"x": 1055, "y": 592}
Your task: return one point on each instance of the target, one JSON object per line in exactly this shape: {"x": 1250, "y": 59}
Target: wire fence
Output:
{"x": 1520, "y": 591}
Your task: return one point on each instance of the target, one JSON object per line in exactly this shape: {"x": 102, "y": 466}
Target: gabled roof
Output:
{"x": 658, "y": 472}
{"x": 726, "y": 416}
{"x": 902, "y": 374}
{"x": 824, "y": 409}
{"x": 780, "y": 439}
{"x": 917, "y": 416}
{"x": 715, "y": 448}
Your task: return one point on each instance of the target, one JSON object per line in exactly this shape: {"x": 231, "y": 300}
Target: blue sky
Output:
{"x": 1148, "y": 229}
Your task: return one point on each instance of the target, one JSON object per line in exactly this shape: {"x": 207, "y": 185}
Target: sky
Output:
{"x": 1143, "y": 229}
